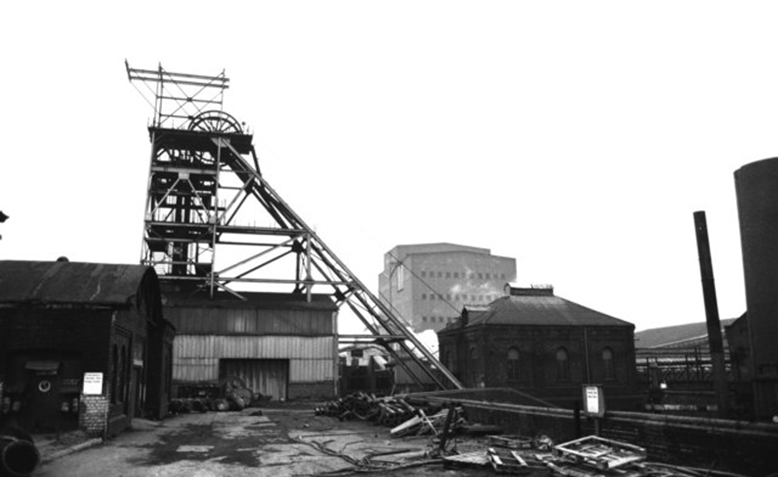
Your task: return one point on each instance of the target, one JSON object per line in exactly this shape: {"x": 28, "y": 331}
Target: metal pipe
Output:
{"x": 712, "y": 315}
{"x": 18, "y": 454}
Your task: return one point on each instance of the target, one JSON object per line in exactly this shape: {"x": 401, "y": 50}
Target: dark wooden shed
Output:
{"x": 82, "y": 345}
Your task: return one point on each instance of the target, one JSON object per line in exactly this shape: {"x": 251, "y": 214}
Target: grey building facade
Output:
{"x": 428, "y": 284}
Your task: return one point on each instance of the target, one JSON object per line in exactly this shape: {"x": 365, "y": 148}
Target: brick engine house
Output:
{"x": 541, "y": 344}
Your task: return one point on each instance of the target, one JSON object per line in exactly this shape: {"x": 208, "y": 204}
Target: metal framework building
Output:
{"x": 214, "y": 224}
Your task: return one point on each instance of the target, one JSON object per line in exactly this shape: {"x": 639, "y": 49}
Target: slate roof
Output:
{"x": 542, "y": 309}
{"x": 69, "y": 282}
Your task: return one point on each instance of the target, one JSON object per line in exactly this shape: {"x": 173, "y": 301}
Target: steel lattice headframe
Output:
{"x": 207, "y": 199}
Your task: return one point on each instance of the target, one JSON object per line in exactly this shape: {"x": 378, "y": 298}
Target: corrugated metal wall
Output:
{"x": 251, "y": 321}
{"x": 311, "y": 359}
{"x": 268, "y": 377}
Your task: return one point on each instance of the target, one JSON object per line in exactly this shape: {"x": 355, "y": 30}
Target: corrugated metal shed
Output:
{"x": 255, "y": 300}
{"x": 69, "y": 282}
{"x": 204, "y": 370}
{"x": 675, "y": 335}
{"x": 196, "y": 357}
{"x": 268, "y": 347}
{"x": 251, "y": 321}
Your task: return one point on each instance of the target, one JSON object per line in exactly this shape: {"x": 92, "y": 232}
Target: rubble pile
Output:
{"x": 236, "y": 397}
{"x": 419, "y": 418}
{"x": 590, "y": 456}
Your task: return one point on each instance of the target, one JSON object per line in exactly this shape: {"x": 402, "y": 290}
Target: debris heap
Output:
{"x": 417, "y": 417}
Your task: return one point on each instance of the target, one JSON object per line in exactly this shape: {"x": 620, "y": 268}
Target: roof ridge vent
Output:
{"x": 537, "y": 289}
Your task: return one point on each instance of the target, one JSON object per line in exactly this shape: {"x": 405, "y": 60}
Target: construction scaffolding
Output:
{"x": 207, "y": 198}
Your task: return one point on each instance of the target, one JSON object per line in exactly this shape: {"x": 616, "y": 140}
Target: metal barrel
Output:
{"x": 18, "y": 455}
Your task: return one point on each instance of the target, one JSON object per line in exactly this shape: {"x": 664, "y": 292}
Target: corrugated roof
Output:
{"x": 542, "y": 310}
{"x": 673, "y": 335}
{"x": 69, "y": 282}
{"x": 252, "y": 300}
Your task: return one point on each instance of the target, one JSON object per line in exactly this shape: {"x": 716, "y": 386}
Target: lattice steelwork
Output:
{"x": 214, "y": 223}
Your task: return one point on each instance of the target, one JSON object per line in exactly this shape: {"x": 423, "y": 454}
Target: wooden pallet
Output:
{"x": 601, "y": 453}
{"x": 511, "y": 442}
{"x": 507, "y": 461}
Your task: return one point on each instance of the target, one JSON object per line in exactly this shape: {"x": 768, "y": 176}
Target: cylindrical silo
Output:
{"x": 756, "y": 185}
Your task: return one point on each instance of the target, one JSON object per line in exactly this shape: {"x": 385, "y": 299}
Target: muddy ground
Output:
{"x": 277, "y": 441}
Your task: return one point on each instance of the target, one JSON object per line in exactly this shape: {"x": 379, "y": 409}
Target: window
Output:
{"x": 562, "y": 365}
{"x": 456, "y": 274}
{"x": 513, "y": 364}
{"x": 114, "y": 372}
{"x": 440, "y": 274}
{"x": 424, "y": 319}
{"x": 448, "y": 274}
{"x": 423, "y": 274}
{"x": 609, "y": 372}
{"x": 432, "y": 296}
{"x": 123, "y": 363}
{"x": 423, "y": 296}
{"x": 480, "y": 276}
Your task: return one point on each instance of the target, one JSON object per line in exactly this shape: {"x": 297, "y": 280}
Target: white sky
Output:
{"x": 577, "y": 137}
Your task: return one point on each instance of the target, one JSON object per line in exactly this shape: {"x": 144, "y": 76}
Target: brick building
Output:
{"x": 63, "y": 323}
{"x": 429, "y": 283}
{"x": 543, "y": 345}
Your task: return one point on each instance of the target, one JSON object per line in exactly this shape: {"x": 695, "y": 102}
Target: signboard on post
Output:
{"x": 594, "y": 400}
{"x": 93, "y": 383}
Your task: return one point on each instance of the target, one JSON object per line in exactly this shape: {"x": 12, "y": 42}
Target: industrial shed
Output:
{"x": 544, "y": 345}
{"x": 279, "y": 345}
{"x": 64, "y": 323}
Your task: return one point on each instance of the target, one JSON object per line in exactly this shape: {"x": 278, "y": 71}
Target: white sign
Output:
{"x": 592, "y": 400}
{"x": 93, "y": 383}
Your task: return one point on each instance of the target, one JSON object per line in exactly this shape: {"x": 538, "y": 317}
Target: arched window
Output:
{"x": 114, "y": 372}
{"x": 123, "y": 373}
{"x": 513, "y": 364}
{"x": 609, "y": 371}
{"x": 562, "y": 365}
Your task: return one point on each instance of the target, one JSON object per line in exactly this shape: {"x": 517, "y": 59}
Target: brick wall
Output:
{"x": 479, "y": 358}
{"x": 93, "y": 414}
{"x": 735, "y": 446}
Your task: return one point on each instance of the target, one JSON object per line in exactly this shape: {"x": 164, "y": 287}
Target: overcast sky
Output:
{"x": 577, "y": 137}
